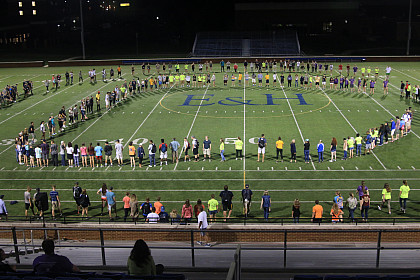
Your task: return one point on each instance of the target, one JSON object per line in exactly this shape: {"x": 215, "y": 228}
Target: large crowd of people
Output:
{"x": 90, "y": 155}
{"x": 154, "y": 212}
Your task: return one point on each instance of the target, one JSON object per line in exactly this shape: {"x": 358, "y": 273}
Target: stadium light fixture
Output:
{"x": 124, "y": 4}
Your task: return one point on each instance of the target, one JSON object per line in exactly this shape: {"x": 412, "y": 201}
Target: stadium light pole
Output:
{"x": 82, "y": 31}
{"x": 409, "y": 28}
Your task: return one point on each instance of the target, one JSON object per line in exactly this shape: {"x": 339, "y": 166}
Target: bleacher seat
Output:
{"x": 402, "y": 277}
{"x": 307, "y": 277}
{"x": 68, "y": 278}
{"x": 338, "y": 277}
{"x": 37, "y": 278}
{"x": 370, "y": 277}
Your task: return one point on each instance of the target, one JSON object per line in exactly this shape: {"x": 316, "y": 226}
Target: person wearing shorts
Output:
{"x": 207, "y": 148}
{"x": 213, "y": 206}
{"x": 202, "y": 226}
{"x": 262, "y": 143}
{"x": 110, "y": 197}
{"x": 194, "y": 143}
{"x": 163, "y": 148}
{"x": 132, "y": 154}
{"x": 118, "y": 152}
{"x": 186, "y": 148}
{"x": 98, "y": 154}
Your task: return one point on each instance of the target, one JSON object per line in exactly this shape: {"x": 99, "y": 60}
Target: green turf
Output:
{"x": 159, "y": 114}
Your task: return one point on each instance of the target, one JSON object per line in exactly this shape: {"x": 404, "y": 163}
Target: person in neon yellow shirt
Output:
{"x": 176, "y": 80}
{"x": 186, "y": 67}
{"x": 404, "y": 190}
{"x": 279, "y": 149}
{"x": 238, "y": 147}
{"x": 368, "y": 70}
{"x": 358, "y": 141}
{"x": 171, "y": 80}
{"x": 182, "y": 79}
{"x": 386, "y": 198}
{"x": 363, "y": 71}
{"x": 213, "y": 206}
{"x": 350, "y": 144}
{"x": 222, "y": 149}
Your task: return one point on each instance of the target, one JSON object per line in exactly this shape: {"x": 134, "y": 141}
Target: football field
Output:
{"x": 225, "y": 112}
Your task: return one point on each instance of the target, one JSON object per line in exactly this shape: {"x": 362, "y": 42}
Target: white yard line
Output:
{"x": 189, "y": 131}
{"x": 244, "y": 141}
{"x": 182, "y": 201}
{"x": 297, "y": 125}
{"x": 405, "y": 74}
{"x": 147, "y": 117}
{"x": 350, "y": 124}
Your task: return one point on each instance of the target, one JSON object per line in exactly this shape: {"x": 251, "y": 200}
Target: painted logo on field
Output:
{"x": 196, "y": 100}
{"x": 228, "y": 141}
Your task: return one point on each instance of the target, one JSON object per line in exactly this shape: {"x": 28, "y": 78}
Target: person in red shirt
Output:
{"x": 340, "y": 68}
{"x": 163, "y": 148}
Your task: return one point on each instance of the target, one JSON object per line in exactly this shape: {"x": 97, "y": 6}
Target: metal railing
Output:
{"x": 285, "y": 248}
{"x": 44, "y": 220}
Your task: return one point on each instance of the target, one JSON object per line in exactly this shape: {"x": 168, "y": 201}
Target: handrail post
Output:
{"x": 237, "y": 258}
{"x": 15, "y": 244}
{"x": 192, "y": 248}
{"x": 285, "y": 249}
{"x": 101, "y": 235}
{"x": 378, "y": 248}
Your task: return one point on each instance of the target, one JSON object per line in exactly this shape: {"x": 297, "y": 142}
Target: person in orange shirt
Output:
{"x": 336, "y": 214}
{"x": 317, "y": 211}
{"x": 267, "y": 80}
{"x": 119, "y": 72}
{"x": 240, "y": 78}
{"x": 151, "y": 82}
{"x": 132, "y": 154}
{"x": 158, "y": 205}
{"x": 127, "y": 208}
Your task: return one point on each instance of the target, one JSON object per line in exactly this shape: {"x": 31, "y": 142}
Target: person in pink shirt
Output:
{"x": 187, "y": 211}
{"x": 83, "y": 153}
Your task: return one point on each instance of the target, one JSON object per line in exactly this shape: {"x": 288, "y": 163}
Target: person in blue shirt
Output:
{"x": 207, "y": 148}
{"x": 55, "y": 201}
{"x": 320, "y": 148}
{"x": 368, "y": 141}
{"x": 393, "y": 127}
{"x": 98, "y": 153}
{"x": 174, "y": 145}
{"x": 260, "y": 77}
{"x": 112, "y": 203}
{"x": 266, "y": 204}
{"x": 339, "y": 200}
{"x": 293, "y": 151}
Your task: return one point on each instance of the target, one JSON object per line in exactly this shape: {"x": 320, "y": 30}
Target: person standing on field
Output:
{"x": 262, "y": 143}
{"x": 207, "y": 148}
{"x": 246, "y": 198}
{"x": 227, "y": 204}
{"x": 174, "y": 145}
{"x": 386, "y": 198}
{"x": 404, "y": 190}
{"x": 266, "y": 205}
{"x": 238, "y": 148}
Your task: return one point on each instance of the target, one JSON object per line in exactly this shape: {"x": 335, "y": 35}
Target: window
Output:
{"x": 20, "y": 4}
{"x": 21, "y": 13}
{"x": 34, "y": 12}
{"x": 33, "y": 4}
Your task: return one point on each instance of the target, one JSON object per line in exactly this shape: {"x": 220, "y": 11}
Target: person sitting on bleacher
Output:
{"x": 52, "y": 263}
{"x": 4, "y": 266}
{"x": 141, "y": 263}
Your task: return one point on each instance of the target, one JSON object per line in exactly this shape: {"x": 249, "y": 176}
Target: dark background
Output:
{"x": 168, "y": 28}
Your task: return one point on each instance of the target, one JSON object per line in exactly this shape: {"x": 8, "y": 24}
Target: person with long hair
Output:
{"x": 187, "y": 211}
{"x": 85, "y": 203}
{"x": 364, "y": 205}
{"x": 91, "y": 152}
{"x": 103, "y": 190}
{"x": 404, "y": 190}
{"x": 266, "y": 204}
{"x": 296, "y": 211}
{"x": 196, "y": 207}
{"x": 333, "y": 149}
{"x": 352, "y": 205}
{"x": 336, "y": 213}
{"x": 386, "y": 198}
{"x": 140, "y": 262}
{"x": 134, "y": 206}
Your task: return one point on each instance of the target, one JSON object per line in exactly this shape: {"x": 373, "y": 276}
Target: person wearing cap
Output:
{"x": 246, "y": 198}
{"x": 3, "y": 210}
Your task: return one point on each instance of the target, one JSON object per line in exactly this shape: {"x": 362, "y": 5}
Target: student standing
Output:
{"x": 404, "y": 190}
{"x": 187, "y": 210}
{"x": 279, "y": 149}
{"x": 262, "y": 143}
{"x": 320, "y": 149}
{"x": 266, "y": 204}
{"x": 152, "y": 152}
{"x": 352, "y": 205}
{"x": 202, "y": 226}
{"x": 227, "y": 204}
{"x": 293, "y": 151}
{"x": 84, "y": 203}
{"x": 127, "y": 208}
{"x": 213, "y": 206}
{"x": 296, "y": 211}
{"x": 55, "y": 202}
{"x": 207, "y": 148}
{"x": 333, "y": 149}
{"x": 361, "y": 189}
{"x": 386, "y": 198}
{"x": 222, "y": 149}
{"x": 112, "y": 202}
{"x": 365, "y": 204}
{"x": 238, "y": 148}
{"x": 140, "y": 154}
{"x": 336, "y": 214}
{"x": 306, "y": 147}
{"x": 317, "y": 212}
{"x": 28, "y": 201}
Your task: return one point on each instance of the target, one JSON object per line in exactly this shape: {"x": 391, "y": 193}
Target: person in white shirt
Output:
{"x": 202, "y": 226}
{"x": 3, "y": 210}
{"x": 152, "y": 218}
{"x": 152, "y": 153}
{"x": 119, "y": 151}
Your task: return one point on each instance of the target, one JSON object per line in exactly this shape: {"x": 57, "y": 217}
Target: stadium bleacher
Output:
{"x": 237, "y": 44}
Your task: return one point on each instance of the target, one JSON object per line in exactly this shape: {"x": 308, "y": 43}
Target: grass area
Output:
{"x": 220, "y": 112}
